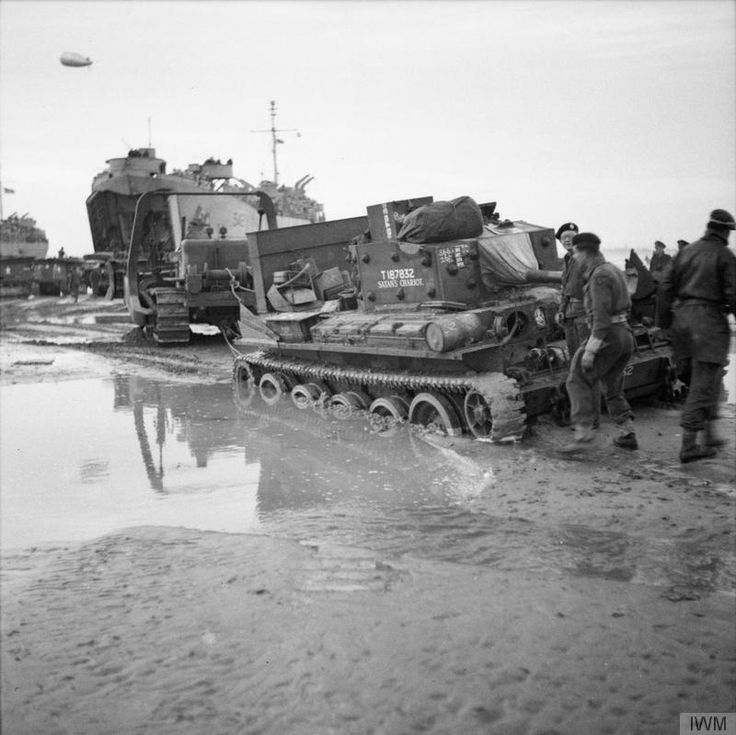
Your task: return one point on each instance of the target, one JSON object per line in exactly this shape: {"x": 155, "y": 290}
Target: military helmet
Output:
{"x": 722, "y": 219}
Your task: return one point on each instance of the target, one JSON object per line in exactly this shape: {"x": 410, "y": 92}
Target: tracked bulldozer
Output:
{"x": 182, "y": 265}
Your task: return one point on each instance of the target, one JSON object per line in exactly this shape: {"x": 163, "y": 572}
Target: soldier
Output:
{"x": 607, "y": 350}
{"x": 95, "y": 277}
{"x": 681, "y": 244}
{"x": 698, "y": 293}
{"x": 571, "y": 315}
{"x": 660, "y": 262}
{"x": 571, "y": 309}
{"x": 75, "y": 281}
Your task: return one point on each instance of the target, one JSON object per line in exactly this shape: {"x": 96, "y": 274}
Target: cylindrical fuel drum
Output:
{"x": 537, "y": 276}
{"x": 450, "y": 332}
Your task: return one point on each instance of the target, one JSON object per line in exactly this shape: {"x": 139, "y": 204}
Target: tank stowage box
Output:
{"x": 393, "y": 272}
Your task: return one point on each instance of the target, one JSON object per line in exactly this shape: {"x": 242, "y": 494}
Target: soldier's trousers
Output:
{"x": 702, "y": 396}
{"x": 700, "y": 338}
{"x": 608, "y": 369}
{"x": 577, "y": 332}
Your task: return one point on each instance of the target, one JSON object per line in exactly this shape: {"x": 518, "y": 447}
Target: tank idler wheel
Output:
{"x": 478, "y": 414}
{"x": 308, "y": 395}
{"x": 347, "y": 404}
{"x": 273, "y": 387}
{"x": 244, "y": 384}
{"x": 435, "y": 412}
{"x": 386, "y": 413}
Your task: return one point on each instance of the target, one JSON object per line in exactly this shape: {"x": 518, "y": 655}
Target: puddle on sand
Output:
{"x": 83, "y": 458}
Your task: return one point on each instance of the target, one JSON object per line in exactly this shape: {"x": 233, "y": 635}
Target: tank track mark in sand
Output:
{"x": 501, "y": 393}
{"x": 171, "y": 319}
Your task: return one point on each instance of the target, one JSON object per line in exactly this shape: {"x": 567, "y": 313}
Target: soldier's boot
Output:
{"x": 711, "y": 438}
{"x": 626, "y": 438}
{"x": 691, "y": 451}
{"x": 583, "y": 439}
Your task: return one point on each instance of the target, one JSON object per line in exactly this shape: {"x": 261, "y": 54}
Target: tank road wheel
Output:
{"x": 273, "y": 387}
{"x": 308, "y": 395}
{"x": 478, "y": 414}
{"x": 244, "y": 384}
{"x": 347, "y": 404}
{"x": 435, "y": 412}
{"x": 386, "y": 414}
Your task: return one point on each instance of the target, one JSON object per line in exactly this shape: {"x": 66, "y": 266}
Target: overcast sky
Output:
{"x": 617, "y": 115}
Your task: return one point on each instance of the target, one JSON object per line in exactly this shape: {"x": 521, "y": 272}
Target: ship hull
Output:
{"x": 16, "y": 249}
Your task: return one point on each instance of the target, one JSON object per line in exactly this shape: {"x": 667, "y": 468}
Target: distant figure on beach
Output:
{"x": 660, "y": 261}
{"x": 74, "y": 283}
{"x": 61, "y": 252}
{"x": 697, "y": 294}
{"x": 94, "y": 281}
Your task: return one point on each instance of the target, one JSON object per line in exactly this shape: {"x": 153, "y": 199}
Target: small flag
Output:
{"x": 278, "y": 140}
{"x": 8, "y": 191}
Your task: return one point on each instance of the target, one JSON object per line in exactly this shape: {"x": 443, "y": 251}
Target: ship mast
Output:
{"x": 274, "y": 139}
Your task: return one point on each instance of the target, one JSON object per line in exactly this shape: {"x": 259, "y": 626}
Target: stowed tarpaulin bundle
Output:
{"x": 505, "y": 259}
{"x": 442, "y": 221}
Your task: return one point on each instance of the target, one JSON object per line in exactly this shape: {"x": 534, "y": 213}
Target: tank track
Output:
{"x": 171, "y": 319}
{"x": 501, "y": 393}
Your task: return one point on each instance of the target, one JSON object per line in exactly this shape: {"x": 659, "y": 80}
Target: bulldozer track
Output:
{"x": 171, "y": 316}
{"x": 503, "y": 399}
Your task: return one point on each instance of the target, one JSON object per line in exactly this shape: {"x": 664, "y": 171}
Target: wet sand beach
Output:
{"x": 476, "y": 589}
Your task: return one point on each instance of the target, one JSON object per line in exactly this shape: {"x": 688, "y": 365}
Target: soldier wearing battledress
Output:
{"x": 697, "y": 294}
{"x": 607, "y": 350}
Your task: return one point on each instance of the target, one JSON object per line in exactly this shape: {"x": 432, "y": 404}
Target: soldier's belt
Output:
{"x": 619, "y": 319}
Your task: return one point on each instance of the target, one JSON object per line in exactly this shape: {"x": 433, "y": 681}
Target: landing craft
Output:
{"x": 69, "y": 58}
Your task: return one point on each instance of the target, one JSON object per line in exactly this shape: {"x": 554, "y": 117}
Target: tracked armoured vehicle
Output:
{"x": 437, "y": 313}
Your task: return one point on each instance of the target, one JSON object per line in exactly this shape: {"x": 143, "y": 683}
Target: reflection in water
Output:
{"x": 196, "y": 455}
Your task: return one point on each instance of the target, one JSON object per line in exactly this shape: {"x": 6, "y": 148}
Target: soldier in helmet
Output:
{"x": 697, "y": 294}
{"x": 607, "y": 350}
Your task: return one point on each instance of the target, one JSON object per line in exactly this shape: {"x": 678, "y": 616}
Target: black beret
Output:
{"x": 682, "y": 243}
{"x": 587, "y": 241}
{"x": 722, "y": 218}
{"x": 659, "y": 244}
{"x": 571, "y": 226}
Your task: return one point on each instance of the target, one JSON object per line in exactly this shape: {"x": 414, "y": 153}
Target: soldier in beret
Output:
{"x": 571, "y": 314}
{"x": 571, "y": 309}
{"x": 660, "y": 261}
{"x": 607, "y": 350}
{"x": 681, "y": 244}
{"x": 697, "y": 295}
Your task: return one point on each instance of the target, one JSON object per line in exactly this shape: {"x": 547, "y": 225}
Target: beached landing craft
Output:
{"x": 115, "y": 191}
{"x": 437, "y": 313}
